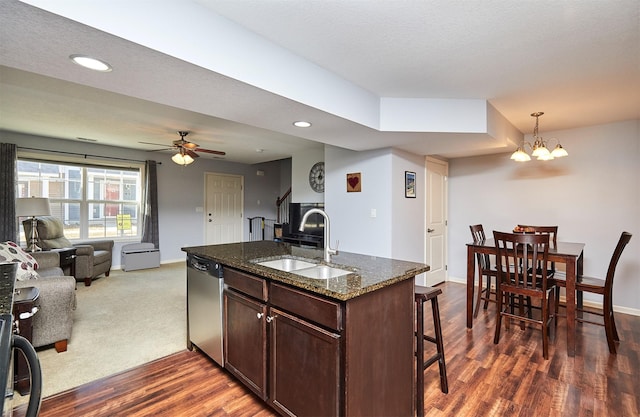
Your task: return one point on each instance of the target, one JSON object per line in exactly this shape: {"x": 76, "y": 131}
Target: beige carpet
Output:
{"x": 121, "y": 321}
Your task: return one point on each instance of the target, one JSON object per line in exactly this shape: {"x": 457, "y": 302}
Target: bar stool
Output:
{"x": 423, "y": 294}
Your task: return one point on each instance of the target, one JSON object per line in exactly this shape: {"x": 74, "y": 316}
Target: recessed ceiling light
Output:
{"x": 302, "y": 124}
{"x": 259, "y": 150}
{"x": 91, "y": 63}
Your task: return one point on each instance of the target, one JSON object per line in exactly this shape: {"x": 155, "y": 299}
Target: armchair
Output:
{"x": 57, "y": 301}
{"x": 93, "y": 258}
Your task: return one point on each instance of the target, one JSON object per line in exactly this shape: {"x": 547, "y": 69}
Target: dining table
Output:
{"x": 568, "y": 253}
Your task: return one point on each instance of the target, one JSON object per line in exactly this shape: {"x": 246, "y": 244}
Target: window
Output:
{"x": 92, "y": 201}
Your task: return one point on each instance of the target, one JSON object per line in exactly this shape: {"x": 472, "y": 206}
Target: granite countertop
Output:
{"x": 370, "y": 273}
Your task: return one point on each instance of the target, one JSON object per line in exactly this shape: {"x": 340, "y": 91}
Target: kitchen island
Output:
{"x": 337, "y": 346}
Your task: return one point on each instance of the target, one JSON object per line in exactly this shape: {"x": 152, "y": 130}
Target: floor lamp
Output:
{"x": 32, "y": 207}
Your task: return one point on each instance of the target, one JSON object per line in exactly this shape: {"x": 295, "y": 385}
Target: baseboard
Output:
{"x": 587, "y": 303}
{"x": 119, "y": 267}
{"x": 173, "y": 261}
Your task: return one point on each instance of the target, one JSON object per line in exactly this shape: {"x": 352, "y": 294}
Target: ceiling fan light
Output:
{"x": 178, "y": 159}
{"x": 182, "y": 159}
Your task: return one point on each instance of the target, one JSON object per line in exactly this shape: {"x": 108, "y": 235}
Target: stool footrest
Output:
{"x": 435, "y": 358}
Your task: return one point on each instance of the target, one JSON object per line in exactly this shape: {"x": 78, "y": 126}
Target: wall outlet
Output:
{"x": 374, "y": 213}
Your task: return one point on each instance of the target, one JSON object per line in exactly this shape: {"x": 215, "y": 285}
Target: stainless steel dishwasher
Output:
{"x": 205, "y": 284}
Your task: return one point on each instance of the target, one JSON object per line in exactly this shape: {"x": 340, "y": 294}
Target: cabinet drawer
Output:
{"x": 245, "y": 283}
{"x": 319, "y": 310}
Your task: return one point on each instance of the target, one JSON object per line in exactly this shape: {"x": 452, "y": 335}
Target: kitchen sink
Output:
{"x": 322, "y": 272}
{"x": 287, "y": 264}
{"x": 305, "y": 268}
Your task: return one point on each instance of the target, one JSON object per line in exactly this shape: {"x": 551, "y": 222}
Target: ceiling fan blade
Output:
{"x": 191, "y": 153}
{"x": 210, "y": 151}
{"x": 163, "y": 149}
{"x": 156, "y": 144}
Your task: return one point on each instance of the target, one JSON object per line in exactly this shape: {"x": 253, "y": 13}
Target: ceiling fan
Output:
{"x": 186, "y": 150}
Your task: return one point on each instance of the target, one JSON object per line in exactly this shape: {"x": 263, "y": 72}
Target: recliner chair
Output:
{"x": 93, "y": 258}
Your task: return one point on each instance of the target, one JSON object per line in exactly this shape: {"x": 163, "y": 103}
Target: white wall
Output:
{"x": 350, "y": 213}
{"x": 396, "y": 231}
{"x": 592, "y": 195}
{"x": 181, "y": 191}
{"x": 409, "y": 220}
{"x": 301, "y": 163}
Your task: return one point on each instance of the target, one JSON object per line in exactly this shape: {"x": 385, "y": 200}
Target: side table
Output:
{"x": 67, "y": 259}
{"x": 24, "y": 301}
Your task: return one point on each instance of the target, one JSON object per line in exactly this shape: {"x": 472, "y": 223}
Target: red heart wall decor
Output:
{"x": 353, "y": 183}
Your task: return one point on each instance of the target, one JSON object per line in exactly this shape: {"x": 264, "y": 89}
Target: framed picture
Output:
{"x": 409, "y": 184}
{"x": 354, "y": 183}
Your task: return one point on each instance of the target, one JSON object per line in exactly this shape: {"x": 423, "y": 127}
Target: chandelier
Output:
{"x": 539, "y": 148}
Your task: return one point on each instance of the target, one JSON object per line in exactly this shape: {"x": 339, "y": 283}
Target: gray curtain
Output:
{"x": 8, "y": 177}
{"x": 150, "y": 233}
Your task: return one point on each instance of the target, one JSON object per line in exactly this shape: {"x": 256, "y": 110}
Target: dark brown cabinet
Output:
{"x": 305, "y": 367}
{"x": 307, "y": 354}
{"x": 245, "y": 341}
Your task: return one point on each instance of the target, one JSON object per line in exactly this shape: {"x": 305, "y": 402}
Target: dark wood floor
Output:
{"x": 509, "y": 379}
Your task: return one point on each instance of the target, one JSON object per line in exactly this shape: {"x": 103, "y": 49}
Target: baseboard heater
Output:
{"x": 139, "y": 256}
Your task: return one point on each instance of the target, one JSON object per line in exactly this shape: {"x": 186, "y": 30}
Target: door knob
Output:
{"x": 431, "y": 230}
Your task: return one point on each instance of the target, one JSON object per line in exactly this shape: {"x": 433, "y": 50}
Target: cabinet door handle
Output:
{"x": 259, "y": 315}
{"x": 269, "y": 319}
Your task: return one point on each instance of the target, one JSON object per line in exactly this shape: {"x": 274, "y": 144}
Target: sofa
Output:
{"x": 53, "y": 322}
{"x": 93, "y": 258}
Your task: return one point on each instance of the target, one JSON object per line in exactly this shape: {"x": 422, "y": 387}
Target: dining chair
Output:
{"x": 603, "y": 287}
{"x": 552, "y": 231}
{"x": 484, "y": 270}
{"x": 518, "y": 278}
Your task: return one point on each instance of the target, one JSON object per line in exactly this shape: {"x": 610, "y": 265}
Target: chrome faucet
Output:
{"x": 327, "y": 248}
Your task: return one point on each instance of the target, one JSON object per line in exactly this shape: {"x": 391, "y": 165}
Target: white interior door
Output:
{"x": 224, "y": 201}
{"x": 436, "y": 221}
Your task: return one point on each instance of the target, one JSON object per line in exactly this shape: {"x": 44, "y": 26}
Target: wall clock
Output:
{"x": 316, "y": 177}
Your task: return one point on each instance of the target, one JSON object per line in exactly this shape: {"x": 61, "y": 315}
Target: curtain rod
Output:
{"x": 85, "y": 155}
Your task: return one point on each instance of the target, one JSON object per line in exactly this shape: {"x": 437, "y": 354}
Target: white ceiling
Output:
{"x": 238, "y": 73}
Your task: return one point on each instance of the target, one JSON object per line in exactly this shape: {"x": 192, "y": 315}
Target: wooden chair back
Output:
{"x": 477, "y": 232}
{"x": 625, "y": 237}
{"x": 551, "y": 230}
{"x": 517, "y": 255}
